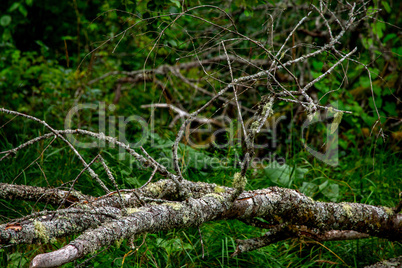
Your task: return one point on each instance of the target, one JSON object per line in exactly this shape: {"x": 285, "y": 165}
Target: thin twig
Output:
{"x": 91, "y": 172}
{"x": 150, "y": 178}
{"x": 112, "y": 179}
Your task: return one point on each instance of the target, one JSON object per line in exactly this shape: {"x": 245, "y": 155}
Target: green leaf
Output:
{"x": 131, "y": 180}
{"x": 177, "y": 3}
{"x": 129, "y": 5}
{"x": 323, "y": 185}
{"x": 390, "y": 108}
{"x": 397, "y": 50}
{"x": 284, "y": 174}
{"x": 378, "y": 28}
{"x": 17, "y": 259}
{"x": 68, "y": 37}
{"x": 5, "y": 20}
{"x": 364, "y": 81}
{"x": 369, "y": 120}
{"x": 93, "y": 26}
{"x": 377, "y": 90}
{"x": 321, "y": 86}
{"x": 374, "y": 73}
{"x": 331, "y": 192}
{"x": 23, "y": 10}
{"x": 173, "y": 43}
{"x": 14, "y": 6}
{"x": 317, "y": 65}
{"x": 378, "y": 102}
{"x": 386, "y": 6}
{"x": 389, "y": 37}
{"x": 315, "y": 74}
{"x": 308, "y": 188}
{"x": 42, "y": 45}
{"x": 367, "y": 42}
{"x": 6, "y": 35}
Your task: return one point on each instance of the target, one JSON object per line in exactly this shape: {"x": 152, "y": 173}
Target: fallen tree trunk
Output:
{"x": 104, "y": 225}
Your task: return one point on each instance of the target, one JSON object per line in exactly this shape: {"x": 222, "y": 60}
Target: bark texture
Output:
{"x": 102, "y": 221}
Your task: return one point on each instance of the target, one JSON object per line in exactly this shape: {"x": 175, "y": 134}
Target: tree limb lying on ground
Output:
{"x": 177, "y": 202}
{"x": 102, "y": 221}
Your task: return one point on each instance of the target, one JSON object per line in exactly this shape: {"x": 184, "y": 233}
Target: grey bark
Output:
{"x": 103, "y": 225}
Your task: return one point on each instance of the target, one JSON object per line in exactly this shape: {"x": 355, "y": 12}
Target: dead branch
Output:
{"x": 273, "y": 204}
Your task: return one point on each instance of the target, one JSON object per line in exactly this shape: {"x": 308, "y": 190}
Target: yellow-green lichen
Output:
{"x": 53, "y": 240}
{"x": 185, "y": 219}
{"x": 254, "y": 126}
{"x": 125, "y": 196}
{"x": 219, "y": 189}
{"x": 119, "y": 242}
{"x": 239, "y": 181}
{"x": 389, "y": 211}
{"x": 132, "y": 210}
{"x": 76, "y": 193}
{"x": 348, "y": 210}
{"x": 155, "y": 188}
{"x": 311, "y": 199}
{"x": 217, "y": 196}
{"x": 267, "y": 109}
{"x": 175, "y": 206}
{"x": 40, "y": 231}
